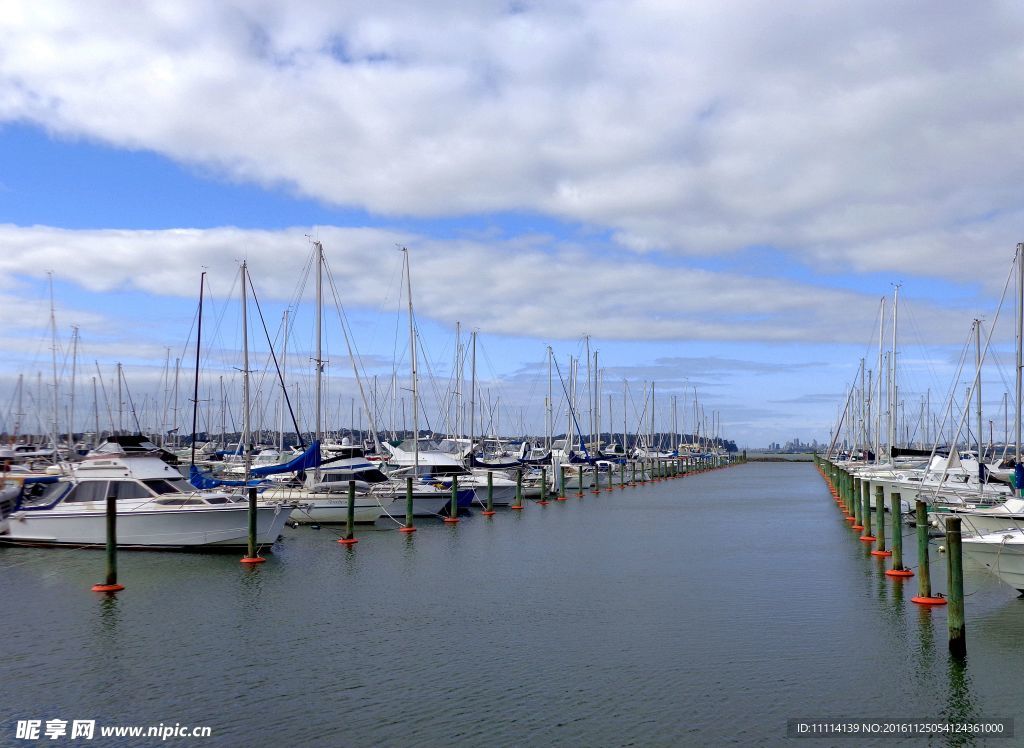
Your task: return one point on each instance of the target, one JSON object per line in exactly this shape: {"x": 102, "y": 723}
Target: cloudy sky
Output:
{"x": 718, "y": 193}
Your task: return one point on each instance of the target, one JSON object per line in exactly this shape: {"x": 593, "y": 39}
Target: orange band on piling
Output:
{"x": 107, "y": 587}
{"x": 868, "y": 538}
{"x": 488, "y": 513}
{"x": 928, "y": 600}
{"x": 407, "y": 529}
{"x": 517, "y": 507}
{"x": 451, "y": 520}
{"x": 899, "y": 573}
{"x": 348, "y": 541}
{"x": 881, "y": 553}
{"x": 858, "y": 528}
{"x": 543, "y": 502}
{"x": 253, "y": 560}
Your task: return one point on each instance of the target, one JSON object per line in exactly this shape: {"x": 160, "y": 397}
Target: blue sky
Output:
{"x": 718, "y": 196}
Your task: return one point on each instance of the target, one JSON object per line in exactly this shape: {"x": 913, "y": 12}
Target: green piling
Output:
{"x": 519, "y": 491}
{"x": 490, "y": 493}
{"x": 924, "y": 580}
{"x": 350, "y": 521}
{"x": 955, "y": 585}
{"x": 408, "y": 507}
{"x": 880, "y": 521}
{"x": 111, "y": 585}
{"x": 250, "y": 556}
{"x": 453, "y": 509}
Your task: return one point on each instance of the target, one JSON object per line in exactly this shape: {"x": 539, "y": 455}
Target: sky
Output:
{"x": 718, "y": 194}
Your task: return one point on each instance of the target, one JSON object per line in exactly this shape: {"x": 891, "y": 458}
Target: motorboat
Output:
{"x": 156, "y": 507}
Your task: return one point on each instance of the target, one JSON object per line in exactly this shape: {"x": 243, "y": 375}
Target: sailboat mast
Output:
{"x": 977, "y": 383}
{"x": 74, "y": 366}
{"x": 412, "y": 357}
{"x": 247, "y": 454}
{"x": 53, "y": 357}
{"x": 624, "y": 396}
{"x": 892, "y": 367}
{"x": 284, "y": 372}
{"x": 195, "y": 389}
{"x": 1020, "y": 345}
{"x": 548, "y": 424}
{"x": 319, "y": 336}
{"x": 472, "y": 396}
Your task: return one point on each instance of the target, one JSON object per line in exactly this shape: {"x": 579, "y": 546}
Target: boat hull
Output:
{"x": 214, "y": 527}
{"x": 1003, "y": 554}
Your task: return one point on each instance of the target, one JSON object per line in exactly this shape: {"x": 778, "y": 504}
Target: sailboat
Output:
{"x": 1002, "y": 550}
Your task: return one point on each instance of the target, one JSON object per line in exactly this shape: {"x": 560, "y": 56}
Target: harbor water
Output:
{"x": 707, "y": 610}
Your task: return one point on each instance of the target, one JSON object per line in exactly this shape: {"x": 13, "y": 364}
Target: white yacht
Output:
{"x": 156, "y": 507}
{"x": 1001, "y": 552}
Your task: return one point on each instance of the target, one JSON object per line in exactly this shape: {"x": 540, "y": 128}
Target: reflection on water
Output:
{"x": 674, "y": 613}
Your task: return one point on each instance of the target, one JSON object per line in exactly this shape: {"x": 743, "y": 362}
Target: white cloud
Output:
{"x": 876, "y": 136}
{"x": 515, "y": 287}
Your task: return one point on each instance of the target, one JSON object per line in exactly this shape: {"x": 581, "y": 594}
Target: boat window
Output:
{"x": 217, "y": 500}
{"x": 168, "y": 486}
{"x": 43, "y": 493}
{"x": 129, "y": 489}
{"x": 446, "y": 470}
{"x": 91, "y": 490}
{"x": 179, "y": 502}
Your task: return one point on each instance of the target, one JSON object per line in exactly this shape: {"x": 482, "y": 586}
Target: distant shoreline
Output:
{"x": 779, "y": 456}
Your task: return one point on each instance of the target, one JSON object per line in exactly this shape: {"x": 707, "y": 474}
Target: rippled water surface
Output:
{"x": 701, "y": 611}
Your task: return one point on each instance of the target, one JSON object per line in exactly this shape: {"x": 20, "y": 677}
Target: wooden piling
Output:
{"x": 880, "y": 521}
{"x": 453, "y": 510}
{"x": 251, "y": 557}
{"x": 896, "y": 509}
{"x": 955, "y": 587}
{"x": 924, "y": 581}
{"x": 408, "y": 507}
{"x": 110, "y": 585}
{"x": 350, "y": 521}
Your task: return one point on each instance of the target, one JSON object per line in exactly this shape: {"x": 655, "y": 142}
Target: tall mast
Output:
{"x": 624, "y": 396}
{"x": 177, "y": 374}
{"x": 21, "y": 413}
{"x": 195, "y": 389}
{"x": 284, "y": 371}
{"x": 892, "y": 368}
{"x": 548, "y": 425}
{"x": 1020, "y": 344}
{"x": 590, "y": 394}
{"x": 319, "y": 336}
{"x": 74, "y": 366}
{"x": 96, "y": 413}
{"x": 245, "y": 380}
{"x": 878, "y": 414}
{"x": 472, "y": 397}
{"x": 53, "y": 357}
{"x": 977, "y": 382}
{"x": 120, "y": 400}
{"x": 412, "y": 357}
{"x": 597, "y": 406}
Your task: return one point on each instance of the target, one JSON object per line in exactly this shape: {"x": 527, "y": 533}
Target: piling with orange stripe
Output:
{"x": 924, "y": 582}
{"x": 350, "y": 521}
{"x": 897, "y": 571}
{"x": 408, "y": 507}
{"x": 453, "y": 510}
{"x": 880, "y": 521}
{"x": 111, "y": 585}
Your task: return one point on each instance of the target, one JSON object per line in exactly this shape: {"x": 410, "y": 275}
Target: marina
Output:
{"x": 711, "y": 608}
{"x": 511, "y": 374}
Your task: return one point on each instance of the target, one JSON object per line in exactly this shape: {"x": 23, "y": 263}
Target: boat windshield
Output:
{"x": 41, "y": 494}
{"x": 161, "y": 486}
